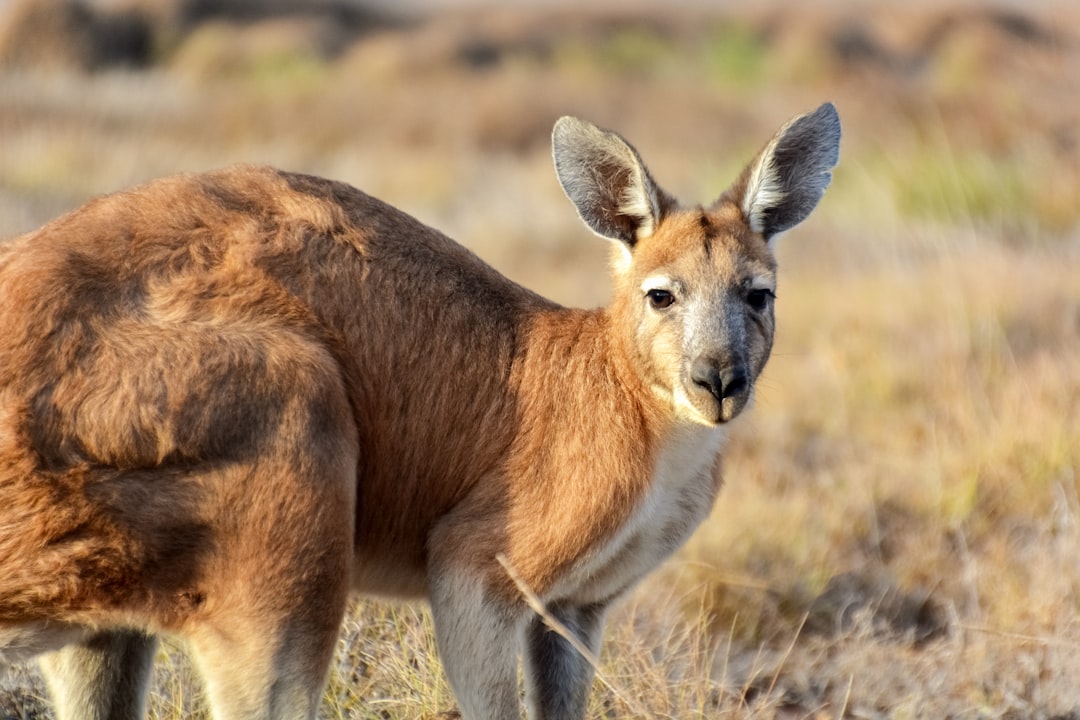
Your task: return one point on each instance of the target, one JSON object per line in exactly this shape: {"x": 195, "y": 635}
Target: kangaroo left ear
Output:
{"x": 787, "y": 179}
{"x": 604, "y": 177}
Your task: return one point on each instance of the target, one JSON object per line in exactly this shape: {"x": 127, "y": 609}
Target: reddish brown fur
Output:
{"x": 228, "y": 399}
{"x": 114, "y": 412}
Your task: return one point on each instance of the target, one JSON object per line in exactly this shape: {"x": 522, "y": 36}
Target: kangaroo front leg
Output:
{"x": 104, "y": 677}
{"x": 477, "y": 638}
{"x": 557, "y": 676}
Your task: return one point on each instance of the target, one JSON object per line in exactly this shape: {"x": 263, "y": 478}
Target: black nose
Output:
{"x": 720, "y": 382}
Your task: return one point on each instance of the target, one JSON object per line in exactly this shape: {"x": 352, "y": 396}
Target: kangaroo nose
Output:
{"x": 721, "y": 383}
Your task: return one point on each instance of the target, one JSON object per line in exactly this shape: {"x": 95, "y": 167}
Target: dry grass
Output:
{"x": 900, "y": 532}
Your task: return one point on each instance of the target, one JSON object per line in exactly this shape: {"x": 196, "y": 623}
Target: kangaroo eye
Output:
{"x": 759, "y": 298}
{"x": 660, "y": 299}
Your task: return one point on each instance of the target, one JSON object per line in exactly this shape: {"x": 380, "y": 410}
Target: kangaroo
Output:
{"x": 228, "y": 400}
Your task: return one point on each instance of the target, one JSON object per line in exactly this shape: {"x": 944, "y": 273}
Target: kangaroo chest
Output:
{"x": 680, "y": 496}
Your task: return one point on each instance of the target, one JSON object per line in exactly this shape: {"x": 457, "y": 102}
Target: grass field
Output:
{"x": 899, "y": 534}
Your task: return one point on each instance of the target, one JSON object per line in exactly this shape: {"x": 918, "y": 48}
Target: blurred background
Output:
{"x": 899, "y": 535}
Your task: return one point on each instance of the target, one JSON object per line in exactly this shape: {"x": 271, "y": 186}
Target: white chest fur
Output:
{"x": 680, "y": 496}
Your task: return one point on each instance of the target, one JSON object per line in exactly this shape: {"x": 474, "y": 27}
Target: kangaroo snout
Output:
{"x": 721, "y": 386}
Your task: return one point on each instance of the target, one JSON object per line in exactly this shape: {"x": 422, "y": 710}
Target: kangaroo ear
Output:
{"x": 787, "y": 179}
{"x": 604, "y": 177}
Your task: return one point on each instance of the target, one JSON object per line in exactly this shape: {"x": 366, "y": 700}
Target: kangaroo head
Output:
{"x": 694, "y": 286}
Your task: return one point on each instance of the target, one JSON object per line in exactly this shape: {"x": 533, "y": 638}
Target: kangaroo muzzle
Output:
{"x": 718, "y": 390}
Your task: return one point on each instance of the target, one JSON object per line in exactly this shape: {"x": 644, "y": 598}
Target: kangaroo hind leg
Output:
{"x": 104, "y": 677}
{"x": 266, "y": 633}
{"x": 276, "y": 588}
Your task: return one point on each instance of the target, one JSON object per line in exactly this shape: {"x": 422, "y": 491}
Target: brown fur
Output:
{"x": 228, "y": 399}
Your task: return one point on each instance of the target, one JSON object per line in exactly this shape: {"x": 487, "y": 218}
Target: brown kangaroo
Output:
{"x": 228, "y": 400}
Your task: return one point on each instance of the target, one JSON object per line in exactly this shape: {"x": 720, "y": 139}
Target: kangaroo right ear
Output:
{"x": 787, "y": 179}
{"x": 604, "y": 177}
